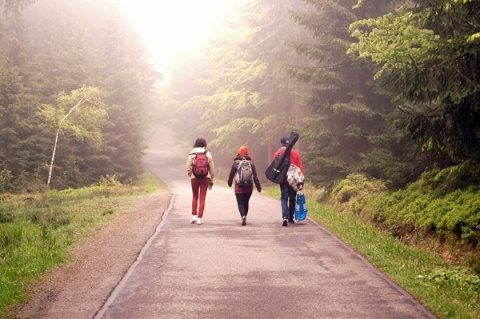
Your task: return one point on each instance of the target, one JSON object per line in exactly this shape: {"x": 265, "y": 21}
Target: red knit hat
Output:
{"x": 243, "y": 150}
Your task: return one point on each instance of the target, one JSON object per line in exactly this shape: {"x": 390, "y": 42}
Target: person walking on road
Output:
{"x": 244, "y": 174}
{"x": 201, "y": 170}
{"x": 287, "y": 193}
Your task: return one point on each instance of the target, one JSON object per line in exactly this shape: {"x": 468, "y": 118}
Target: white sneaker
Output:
{"x": 199, "y": 221}
{"x": 194, "y": 219}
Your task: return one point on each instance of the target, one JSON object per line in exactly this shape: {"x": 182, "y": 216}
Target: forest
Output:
{"x": 381, "y": 91}
{"x": 55, "y": 55}
{"x": 386, "y": 89}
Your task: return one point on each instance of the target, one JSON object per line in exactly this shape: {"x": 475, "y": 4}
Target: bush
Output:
{"x": 456, "y": 214}
{"x": 351, "y": 186}
{"x": 354, "y": 189}
{"x": 109, "y": 181}
{"x": 451, "y": 220}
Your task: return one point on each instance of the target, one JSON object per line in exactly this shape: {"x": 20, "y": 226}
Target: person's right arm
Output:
{"x": 189, "y": 164}
{"x": 232, "y": 174}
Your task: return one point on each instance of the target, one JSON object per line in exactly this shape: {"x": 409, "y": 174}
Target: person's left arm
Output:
{"x": 297, "y": 159}
{"x": 255, "y": 179}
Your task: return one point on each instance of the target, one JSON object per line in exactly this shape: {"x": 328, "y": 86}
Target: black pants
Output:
{"x": 242, "y": 202}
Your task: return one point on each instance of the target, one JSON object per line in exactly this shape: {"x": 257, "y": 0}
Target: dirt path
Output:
{"x": 78, "y": 290}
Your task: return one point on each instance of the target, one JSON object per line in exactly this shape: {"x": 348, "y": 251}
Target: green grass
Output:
{"x": 449, "y": 292}
{"x": 37, "y": 231}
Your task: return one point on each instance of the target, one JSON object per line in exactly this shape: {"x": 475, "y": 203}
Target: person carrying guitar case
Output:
{"x": 276, "y": 172}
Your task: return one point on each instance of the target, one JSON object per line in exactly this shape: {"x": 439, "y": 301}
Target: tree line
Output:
{"x": 385, "y": 88}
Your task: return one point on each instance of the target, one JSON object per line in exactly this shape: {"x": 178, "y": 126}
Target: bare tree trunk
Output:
{"x": 56, "y": 140}
{"x": 53, "y": 157}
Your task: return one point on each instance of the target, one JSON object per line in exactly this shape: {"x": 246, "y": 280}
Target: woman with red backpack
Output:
{"x": 201, "y": 171}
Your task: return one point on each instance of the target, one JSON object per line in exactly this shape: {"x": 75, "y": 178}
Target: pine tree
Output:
{"x": 51, "y": 50}
{"x": 351, "y": 129}
{"x": 127, "y": 79}
{"x": 249, "y": 97}
{"x": 428, "y": 58}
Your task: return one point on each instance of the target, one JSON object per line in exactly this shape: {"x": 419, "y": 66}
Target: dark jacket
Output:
{"x": 234, "y": 169}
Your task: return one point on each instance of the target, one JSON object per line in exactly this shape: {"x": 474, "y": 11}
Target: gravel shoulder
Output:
{"x": 78, "y": 289}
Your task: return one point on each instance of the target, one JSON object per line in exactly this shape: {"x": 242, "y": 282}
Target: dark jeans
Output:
{"x": 242, "y": 202}
{"x": 287, "y": 199}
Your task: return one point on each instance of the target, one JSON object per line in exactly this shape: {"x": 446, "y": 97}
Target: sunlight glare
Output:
{"x": 171, "y": 28}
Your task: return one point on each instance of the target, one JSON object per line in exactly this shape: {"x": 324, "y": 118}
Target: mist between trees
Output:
{"x": 387, "y": 89}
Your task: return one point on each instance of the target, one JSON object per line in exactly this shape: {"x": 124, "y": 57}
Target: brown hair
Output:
{"x": 200, "y": 142}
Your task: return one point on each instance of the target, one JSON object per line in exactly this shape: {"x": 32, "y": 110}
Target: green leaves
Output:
{"x": 427, "y": 58}
{"x": 456, "y": 276}
{"x": 78, "y": 65}
{"x": 474, "y": 37}
{"x": 349, "y": 109}
{"x": 395, "y": 41}
{"x": 83, "y": 124}
{"x": 248, "y": 97}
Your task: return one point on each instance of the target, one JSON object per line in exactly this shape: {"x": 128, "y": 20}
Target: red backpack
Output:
{"x": 200, "y": 165}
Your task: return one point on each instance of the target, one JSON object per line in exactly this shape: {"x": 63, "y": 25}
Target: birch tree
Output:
{"x": 79, "y": 114}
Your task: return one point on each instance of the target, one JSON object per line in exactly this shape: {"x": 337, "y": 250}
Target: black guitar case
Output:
{"x": 277, "y": 171}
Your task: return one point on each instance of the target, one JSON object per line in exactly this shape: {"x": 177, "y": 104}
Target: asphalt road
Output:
{"x": 262, "y": 270}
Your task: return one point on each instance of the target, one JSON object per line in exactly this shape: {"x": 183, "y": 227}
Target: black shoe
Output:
{"x": 244, "y": 220}
{"x": 285, "y": 222}
{"x": 291, "y": 221}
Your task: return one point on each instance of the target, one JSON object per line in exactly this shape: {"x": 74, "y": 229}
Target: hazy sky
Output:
{"x": 170, "y": 27}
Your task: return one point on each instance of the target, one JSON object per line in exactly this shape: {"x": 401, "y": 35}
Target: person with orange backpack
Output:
{"x": 200, "y": 169}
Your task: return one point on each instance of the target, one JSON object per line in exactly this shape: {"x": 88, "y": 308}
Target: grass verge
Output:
{"x": 37, "y": 231}
{"x": 449, "y": 292}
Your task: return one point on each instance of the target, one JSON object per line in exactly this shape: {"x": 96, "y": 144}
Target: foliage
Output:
{"x": 354, "y": 185}
{"x": 128, "y": 79}
{"x": 84, "y": 124}
{"x": 352, "y": 120}
{"x": 109, "y": 181}
{"x": 455, "y": 276}
{"x": 427, "y": 58}
{"x": 426, "y": 206}
{"x": 429, "y": 213}
{"x": 245, "y": 96}
{"x": 52, "y": 54}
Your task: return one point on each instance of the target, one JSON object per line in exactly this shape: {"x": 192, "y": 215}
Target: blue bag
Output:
{"x": 301, "y": 209}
